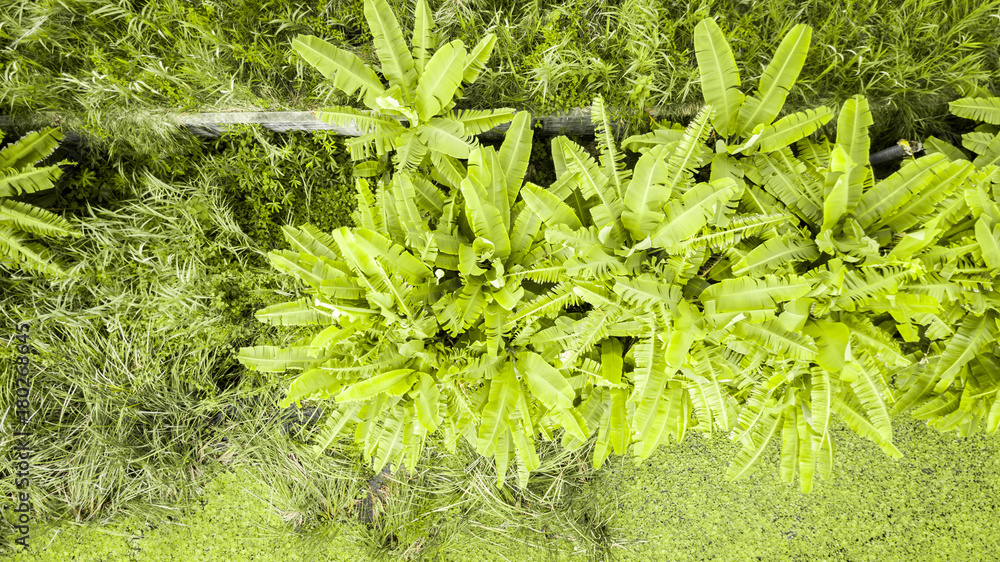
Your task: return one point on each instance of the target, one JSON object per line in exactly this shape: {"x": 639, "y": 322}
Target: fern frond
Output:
{"x": 739, "y": 229}
{"x": 397, "y": 62}
{"x": 30, "y": 149}
{"x": 720, "y": 79}
{"x": 771, "y": 336}
{"x": 592, "y": 180}
{"x": 755, "y": 444}
{"x": 777, "y": 80}
{"x": 15, "y": 181}
{"x": 977, "y": 109}
{"x": 34, "y": 220}
{"x": 347, "y": 71}
{"x": 869, "y": 388}
{"x": 411, "y": 148}
{"x": 776, "y": 252}
{"x": 865, "y": 285}
{"x": 611, "y": 159}
{"x": 686, "y": 157}
{"x": 15, "y": 249}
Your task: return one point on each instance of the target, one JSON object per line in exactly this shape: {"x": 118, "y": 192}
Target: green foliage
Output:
{"x": 19, "y": 220}
{"x": 639, "y": 304}
{"x": 424, "y": 93}
{"x": 276, "y": 179}
{"x": 745, "y": 124}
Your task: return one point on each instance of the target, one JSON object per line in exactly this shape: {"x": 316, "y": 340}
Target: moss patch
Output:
{"x": 232, "y": 521}
{"x": 942, "y": 496}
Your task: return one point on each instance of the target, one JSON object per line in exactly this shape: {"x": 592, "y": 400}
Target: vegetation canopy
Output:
{"x": 640, "y": 304}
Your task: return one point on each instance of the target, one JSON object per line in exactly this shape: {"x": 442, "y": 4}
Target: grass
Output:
{"x": 115, "y": 68}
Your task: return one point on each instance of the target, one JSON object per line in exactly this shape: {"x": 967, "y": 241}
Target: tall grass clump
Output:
{"x": 134, "y": 348}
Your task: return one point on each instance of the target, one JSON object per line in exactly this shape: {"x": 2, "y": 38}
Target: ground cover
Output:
{"x": 939, "y": 498}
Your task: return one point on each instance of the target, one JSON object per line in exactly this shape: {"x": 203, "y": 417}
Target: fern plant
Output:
{"x": 19, "y": 221}
{"x": 416, "y": 320}
{"x": 423, "y": 87}
{"x": 639, "y": 305}
{"x": 743, "y": 124}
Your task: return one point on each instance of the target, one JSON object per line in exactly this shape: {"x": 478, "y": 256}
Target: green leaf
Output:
{"x": 476, "y": 61}
{"x": 777, "y": 80}
{"x": 912, "y": 180}
{"x": 852, "y": 135}
{"x": 503, "y": 397}
{"x": 689, "y": 215}
{"x": 720, "y": 79}
{"x": 645, "y": 193}
{"x": 347, "y": 71}
{"x": 447, "y": 136}
{"x": 397, "y": 63}
{"x": 611, "y": 360}
{"x": 310, "y": 383}
{"x": 384, "y": 382}
{"x": 989, "y": 242}
{"x": 515, "y": 152}
{"x": 424, "y": 40}
{"x": 272, "y": 359}
{"x": 296, "y": 313}
{"x": 549, "y": 208}
{"x": 745, "y": 294}
{"x": 545, "y": 381}
{"x": 426, "y": 402}
{"x": 438, "y": 84}
{"x": 793, "y": 127}
{"x": 977, "y": 109}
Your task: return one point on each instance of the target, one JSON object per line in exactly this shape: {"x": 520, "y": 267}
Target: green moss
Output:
{"x": 942, "y": 497}
{"x": 232, "y": 521}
